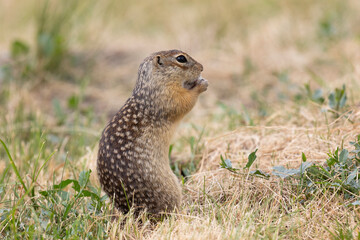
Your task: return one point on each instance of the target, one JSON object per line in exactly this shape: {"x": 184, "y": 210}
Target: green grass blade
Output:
{"x": 13, "y": 165}
{"x": 42, "y": 166}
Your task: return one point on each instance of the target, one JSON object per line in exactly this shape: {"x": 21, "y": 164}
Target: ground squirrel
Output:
{"x": 133, "y": 165}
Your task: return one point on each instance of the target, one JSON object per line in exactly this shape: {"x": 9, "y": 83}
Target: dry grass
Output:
{"x": 257, "y": 57}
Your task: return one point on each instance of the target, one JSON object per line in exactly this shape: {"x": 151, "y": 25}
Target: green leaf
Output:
{"x": 260, "y": 173}
{"x": 86, "y": 193}
{"x": 65, "y": 196}
{"x": 352, "y": 176}
{"x": 343, "y": 156}
{"x": 332, "y": 101}
{"x": 343, "y": 100}
{"x": 303, "y": 157}
{"x": 84, "y": 178}
{"x": 73, "y": 102}
{"x": 64, "y": 183}
{"x": 334, "y": 158}
{"x": 318, "y": 96}
{"x": 337, "y": 99}
{"x": 226, "y": 163}
{"x": 283, "y": 172}
{"x": 251, "y": 159}
{"x": 19, "y": 48}
{"x": 304, "y": 166}
{"x": 46, "y": 193}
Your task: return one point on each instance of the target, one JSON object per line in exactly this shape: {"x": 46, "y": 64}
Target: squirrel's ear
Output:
{"x": 159, "y": 60}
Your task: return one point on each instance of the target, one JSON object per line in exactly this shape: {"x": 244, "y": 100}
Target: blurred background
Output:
{"x": 284, "y": 78}
{"x": 70, "y": 65}
{"x": 253, "y": 52}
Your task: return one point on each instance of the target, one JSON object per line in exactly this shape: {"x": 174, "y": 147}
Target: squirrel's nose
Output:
{"x": 200, "y": 67}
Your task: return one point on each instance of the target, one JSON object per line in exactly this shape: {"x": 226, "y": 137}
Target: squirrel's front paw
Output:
{"x": 202, "y": 84}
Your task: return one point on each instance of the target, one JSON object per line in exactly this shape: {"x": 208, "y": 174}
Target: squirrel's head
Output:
{"x": 172, "y": 77}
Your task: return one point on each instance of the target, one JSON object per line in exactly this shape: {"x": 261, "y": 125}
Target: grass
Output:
{"x": 281, "y": 113}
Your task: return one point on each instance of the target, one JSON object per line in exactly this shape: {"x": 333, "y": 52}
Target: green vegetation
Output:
{"x": 340, "y": 174}
{"x": 53, "y": 213}
{"x": 281, "y": 115}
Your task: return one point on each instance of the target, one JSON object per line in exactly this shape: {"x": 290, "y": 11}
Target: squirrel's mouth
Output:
{"x": 191, "y": 84}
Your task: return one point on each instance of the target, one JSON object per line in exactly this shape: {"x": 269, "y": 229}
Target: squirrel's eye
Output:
{"x": 181, "y": 59}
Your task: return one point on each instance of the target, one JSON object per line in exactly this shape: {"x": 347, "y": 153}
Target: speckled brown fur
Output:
{"x": 132, "y": 164}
